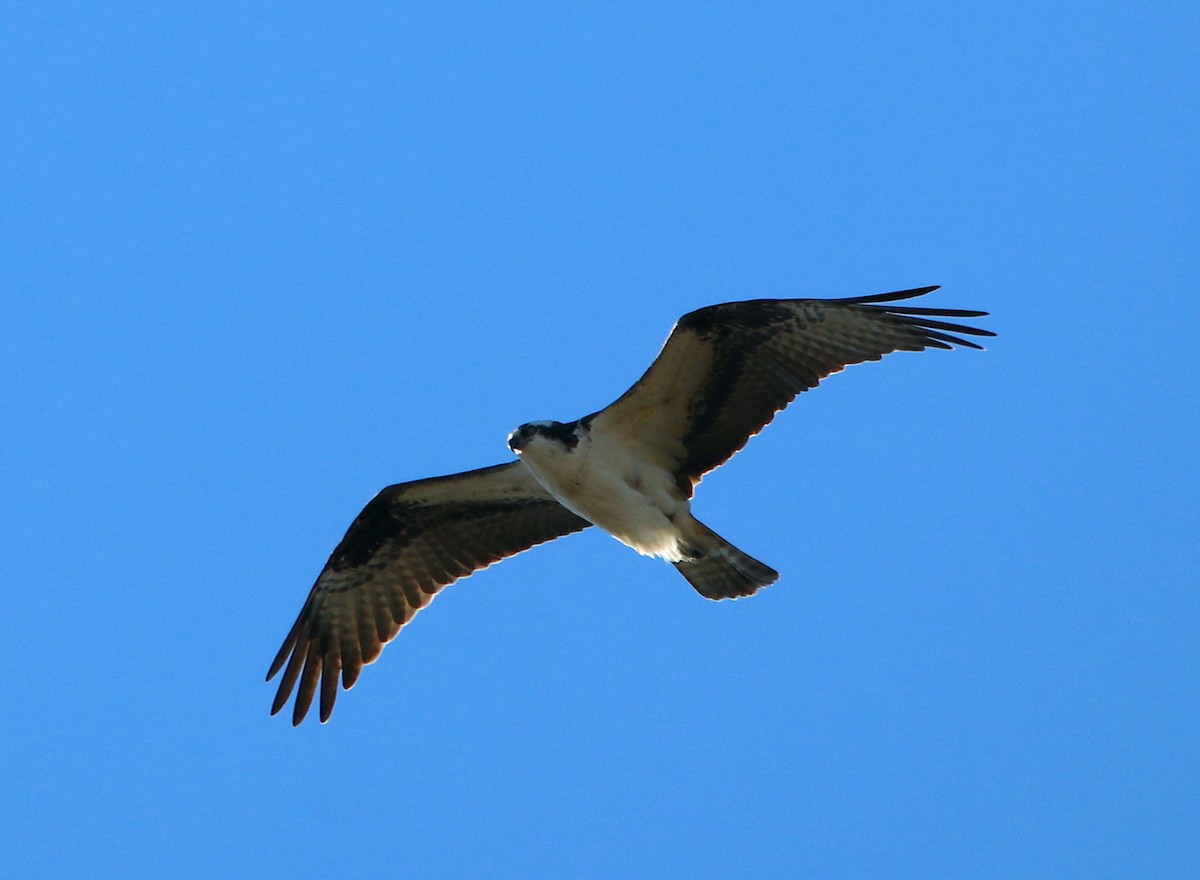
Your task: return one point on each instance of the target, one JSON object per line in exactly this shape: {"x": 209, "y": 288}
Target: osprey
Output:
{"x": 630, "y": 469}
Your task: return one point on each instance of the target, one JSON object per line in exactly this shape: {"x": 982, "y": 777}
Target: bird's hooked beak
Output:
{"x": 515, "y": 442}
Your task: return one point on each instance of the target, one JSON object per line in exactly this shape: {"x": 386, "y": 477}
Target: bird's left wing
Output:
{"x": 411, "y": 540}
{"x": 725, "y": 370}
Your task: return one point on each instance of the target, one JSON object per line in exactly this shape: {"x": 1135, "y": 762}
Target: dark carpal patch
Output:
{"x": 734, "y": 348}
{"x": 387, "y": 518}
{"x": 377, "y": 524}
{"x": 752, "y": 314}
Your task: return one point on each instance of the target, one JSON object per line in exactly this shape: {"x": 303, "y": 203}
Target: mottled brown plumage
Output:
{"x": 726, "y": 370}
{"x": 409, "y": 541}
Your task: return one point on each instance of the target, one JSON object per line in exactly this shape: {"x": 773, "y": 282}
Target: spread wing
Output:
{"x": 411, "y": 540}
{"x": 727, "y": 369}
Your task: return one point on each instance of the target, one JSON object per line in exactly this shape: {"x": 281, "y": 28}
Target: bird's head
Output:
{"x": 564, "y": 434}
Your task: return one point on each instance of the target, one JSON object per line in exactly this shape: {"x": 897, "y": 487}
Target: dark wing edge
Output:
{"x": 411, "y": 540}
{"x": 775, "y": 349}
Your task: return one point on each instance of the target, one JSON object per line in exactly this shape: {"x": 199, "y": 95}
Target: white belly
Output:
{"x": 632, "y": 500}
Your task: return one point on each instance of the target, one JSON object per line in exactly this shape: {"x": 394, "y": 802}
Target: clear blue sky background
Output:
{"x": 259, "y": 260}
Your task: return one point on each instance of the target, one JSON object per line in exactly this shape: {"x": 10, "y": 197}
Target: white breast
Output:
{"x": 631, "y": 499}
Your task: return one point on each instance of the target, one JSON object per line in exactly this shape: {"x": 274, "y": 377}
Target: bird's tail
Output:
{"x": 717, "y": 569}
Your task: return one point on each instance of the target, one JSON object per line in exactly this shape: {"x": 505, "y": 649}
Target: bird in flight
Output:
{"x": 630, "y": 469}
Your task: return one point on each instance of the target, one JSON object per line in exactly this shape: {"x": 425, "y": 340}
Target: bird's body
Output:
{"x": 603, "y": 482}
{"x": 629, "y": 469}
{"x": 602, "y": 477}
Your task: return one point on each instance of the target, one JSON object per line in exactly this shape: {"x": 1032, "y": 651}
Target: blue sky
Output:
{"x": 258, "y": 261}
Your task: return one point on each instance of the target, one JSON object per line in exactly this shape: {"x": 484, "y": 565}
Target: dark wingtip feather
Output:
{"x": 308, "y": 683}
{"x": 954, "y": 328}
{"x": 887, "y": 297}
{"x": 945, "y": 313}
{"x": 944, "y": 340}
{"x": 278, "y": 703}
{"x": 329, "y": 686}
{"x": 288, "y": 681}
{"x": 284, "y": 651}
{"x": 938, "y": 334}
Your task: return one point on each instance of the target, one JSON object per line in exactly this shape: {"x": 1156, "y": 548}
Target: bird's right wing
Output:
{"x": 411, "y": 540}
